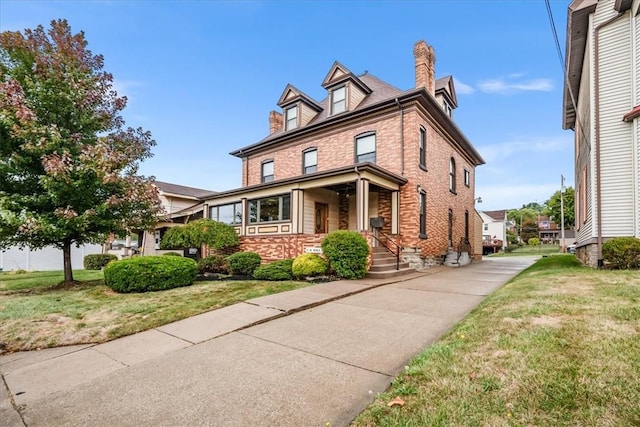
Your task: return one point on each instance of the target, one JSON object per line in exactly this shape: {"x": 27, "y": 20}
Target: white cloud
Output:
{"x": 125, "y": 87}
{"x": 513, "y": 84}
{"x": 463, "y": 88}
{"x": 523, "y": 145}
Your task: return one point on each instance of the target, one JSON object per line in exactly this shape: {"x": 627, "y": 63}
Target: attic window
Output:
{"x": 447, "y": 108}
{"x": 339, "y": 100}
{"x": 291, "y": 120}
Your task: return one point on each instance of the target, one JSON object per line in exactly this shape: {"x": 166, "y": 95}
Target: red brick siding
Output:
{"x": 283, "y": 246}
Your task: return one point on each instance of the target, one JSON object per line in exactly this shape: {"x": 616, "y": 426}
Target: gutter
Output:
{"x": 401, "y": 136}
{"x": 596, "y": 77}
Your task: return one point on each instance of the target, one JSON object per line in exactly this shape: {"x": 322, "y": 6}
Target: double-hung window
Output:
{"x": 423, "y": 147}
{"x": 452, "y": 175}
{"x": 310, "y": 161}
{"x": 267, "y": 171}
{"x": 268, "y": 209}
{"x": 339, "y": 100}
{"x": 291, "y": 119}
{"x": 467, "y": 178}
{"x": 366, "y": 148}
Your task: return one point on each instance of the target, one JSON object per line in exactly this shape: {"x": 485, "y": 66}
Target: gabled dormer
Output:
{"x": 345, "y": 89}
{"x": 446, "y": 94}
{"x": 297, "y": 107}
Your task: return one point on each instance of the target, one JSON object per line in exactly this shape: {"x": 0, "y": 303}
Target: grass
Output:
{"x": 37, "y": 312}
{"x": 558, "y": 345}
{"x": 530, "y": 250}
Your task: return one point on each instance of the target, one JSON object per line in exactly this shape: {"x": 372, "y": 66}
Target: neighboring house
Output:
{"x": 548, "y": 230}
{"x": 602, "y": 106}
{"x": 494, "y": 230}
{"x": 181, "y": 204}
{"x": 388, "y": 163}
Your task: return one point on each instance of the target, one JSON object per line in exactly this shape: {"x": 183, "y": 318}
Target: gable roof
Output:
{"x": 445, "y": 85}
{"x": 339, "y": 74}
{"x": 182, "y": 190}
{"x": 496, "y": 215}
{"x": 291, "y": 94}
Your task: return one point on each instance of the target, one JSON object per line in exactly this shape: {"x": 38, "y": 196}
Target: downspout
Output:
{"x": 596, "y": 77}
{"x": 401, "y": 136}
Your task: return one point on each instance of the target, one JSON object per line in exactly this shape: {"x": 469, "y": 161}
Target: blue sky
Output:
{"x": 202, "y": 76}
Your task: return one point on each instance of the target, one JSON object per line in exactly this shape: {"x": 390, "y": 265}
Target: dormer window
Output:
{"x": 447, "y": 108}
{"x": 291, "y": 118}
{"x": 339, "y": 100}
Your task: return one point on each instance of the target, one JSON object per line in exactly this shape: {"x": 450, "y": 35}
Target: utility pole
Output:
{"x": 563, "y": 247}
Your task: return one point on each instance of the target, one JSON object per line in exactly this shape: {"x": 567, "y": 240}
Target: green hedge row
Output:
{"x": 150, "y": 273}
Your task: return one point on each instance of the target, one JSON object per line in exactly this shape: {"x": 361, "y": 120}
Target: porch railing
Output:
{"x": 385, "y": 245}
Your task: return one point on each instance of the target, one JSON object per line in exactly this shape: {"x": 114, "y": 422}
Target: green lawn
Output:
{"x": 559, "y": 345}
{"x": 37, "y": 312}
{"x": 530, "y": 250}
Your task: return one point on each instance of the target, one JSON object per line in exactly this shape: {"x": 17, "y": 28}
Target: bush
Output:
{"x": 213, "y": 264}
{"x": 309, "y": 265}
{"x": 243, "y": 263}
{"x": 511, "y": 248}
{"x": 97, "y": 261}
{"x": 534, "y": 241}
{"x": 622, "y": 252}
{"x": 277, "y": 270}
{"x": 214, "y": 234}
{"x": 150, "y": 273}
{"x": 171, "y": 254}
{"x": 347, "y": 252}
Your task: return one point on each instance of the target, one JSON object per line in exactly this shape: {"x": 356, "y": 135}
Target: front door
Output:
{"x": 321, "y": 215}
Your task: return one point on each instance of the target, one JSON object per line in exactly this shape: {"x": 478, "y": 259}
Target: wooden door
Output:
{"x": 321, "y": 217}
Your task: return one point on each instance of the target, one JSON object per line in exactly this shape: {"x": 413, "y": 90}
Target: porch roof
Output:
{"x": 374, "y": 173}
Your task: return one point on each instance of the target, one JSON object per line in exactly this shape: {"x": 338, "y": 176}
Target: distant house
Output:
{"x": 494, "y": 229}
{"x": 602, "y": 106}
{"x": 181, "y": 204}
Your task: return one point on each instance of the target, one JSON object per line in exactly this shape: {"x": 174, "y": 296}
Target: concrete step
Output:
{"x": 389, "y": 273}
{"x": 383, "y": 259}
{"x": 387, "y": 266}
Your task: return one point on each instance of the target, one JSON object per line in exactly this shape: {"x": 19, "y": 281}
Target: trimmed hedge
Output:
{"x": 622, "y": 252}
{"x": 150, "y": 273}
{"x": 97, "y": 261}
{"x": 171, "y": 254}
{"x": 243, "y": 263}
{"x": 307, "y": 265}
{"x": 347, "y": 252}
{"x": 213, "y": 264}
{"x": 277, "y": 270}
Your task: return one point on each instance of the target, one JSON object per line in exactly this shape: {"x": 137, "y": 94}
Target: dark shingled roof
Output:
{"x": 182, "y": 190}
{"x": 497, "y": 215}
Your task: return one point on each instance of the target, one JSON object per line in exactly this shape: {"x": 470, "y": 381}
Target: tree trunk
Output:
{"x": 66, "y": 254}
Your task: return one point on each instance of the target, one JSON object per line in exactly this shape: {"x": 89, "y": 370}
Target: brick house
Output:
{"x": 389, "y": 163}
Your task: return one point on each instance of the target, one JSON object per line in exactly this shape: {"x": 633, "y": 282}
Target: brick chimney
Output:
{"x": 425, "y": 58}
{"x": 275, "y": 121}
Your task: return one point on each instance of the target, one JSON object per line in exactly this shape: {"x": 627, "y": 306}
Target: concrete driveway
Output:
{"x": 322, "y": 364}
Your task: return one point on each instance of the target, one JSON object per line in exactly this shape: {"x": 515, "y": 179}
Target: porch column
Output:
{"x": 395, "y": 212}
{"x": 245, "y": 216}
{"x": 362, "y": 204}
{"x": 297, "y": 211}
{"x": 205, "y": 211}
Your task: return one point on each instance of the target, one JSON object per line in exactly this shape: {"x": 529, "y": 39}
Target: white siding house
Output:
{"x": 601, "y": 99}
{"x": 494, "y": 226}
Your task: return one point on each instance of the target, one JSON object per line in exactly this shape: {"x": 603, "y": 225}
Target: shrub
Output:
{"x": 347, "y": 252}
{"x": 309, "y": 265}
{"x": 97, "y": 261}
{"x": 534, "y": 241}
{"x": 171, "y": 254}
{"x": 243, "y": 263}
{"x": 622, "y": 252}
{"x": 511, "y": 248}
{"x": 213, "y": 264}
{"x": 214, "y": 234}
{"x": 150, "y": 273}
{"x": 277, "y": 270}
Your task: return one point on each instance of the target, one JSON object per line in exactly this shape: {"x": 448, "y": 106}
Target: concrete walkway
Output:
{"x": 300, "y": 358}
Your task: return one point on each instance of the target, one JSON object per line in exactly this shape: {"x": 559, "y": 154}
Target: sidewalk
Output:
{"x": 303, "y": 357}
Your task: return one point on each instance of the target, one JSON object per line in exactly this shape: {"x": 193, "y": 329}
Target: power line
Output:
{"x": 555, "y": 35}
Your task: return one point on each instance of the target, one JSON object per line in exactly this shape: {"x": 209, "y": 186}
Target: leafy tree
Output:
{"x": 552, "y": 207}
{"x": 68, "y": 166}
{"x": 214, "y": 234}
{"x": 529, "y": 230}
{"x": 536, "y": 207}
{"x": 520, "y": 215}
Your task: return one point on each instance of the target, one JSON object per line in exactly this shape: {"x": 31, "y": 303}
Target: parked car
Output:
{"x": 571, "y": 249}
